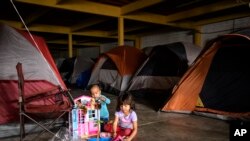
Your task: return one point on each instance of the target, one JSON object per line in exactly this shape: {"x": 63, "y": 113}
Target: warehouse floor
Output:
{"x": 160, "y": 126}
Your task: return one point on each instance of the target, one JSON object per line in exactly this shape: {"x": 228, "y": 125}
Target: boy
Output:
{"x": 103, "y": 101}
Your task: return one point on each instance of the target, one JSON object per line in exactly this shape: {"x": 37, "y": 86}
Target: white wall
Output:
{"x": 211, "y": 31}
{"x": 94, "y": 52}
{"x": 90, "y": 52}
{"x": 166, "y": 38}
{"x": 107, "y": 46}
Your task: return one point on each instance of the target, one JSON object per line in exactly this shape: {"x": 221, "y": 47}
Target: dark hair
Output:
{"x": 95, "y": 85}
{"x": 100, "y": 85}
{"x": 125, "y": 98}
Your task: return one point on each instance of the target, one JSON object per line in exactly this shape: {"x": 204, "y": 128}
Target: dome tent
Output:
{"x": 218, "y": 81}
{"x": 162, "y": 70}
{"x": 39, "y": 70}
{"x": 115, "y": 68}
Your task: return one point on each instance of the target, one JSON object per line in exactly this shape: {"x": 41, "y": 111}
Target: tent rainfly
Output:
{"x": 115, "y": 68}
{"x": 39, "y": 69}
{"x": 217, "y": 84}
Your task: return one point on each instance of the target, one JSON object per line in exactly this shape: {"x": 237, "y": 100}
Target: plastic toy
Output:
{"x": 85, "y": 118}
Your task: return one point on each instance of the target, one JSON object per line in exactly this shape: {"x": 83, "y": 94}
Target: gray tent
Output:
{"x": 115, "y": 68}
{"x": 162, "y": 70}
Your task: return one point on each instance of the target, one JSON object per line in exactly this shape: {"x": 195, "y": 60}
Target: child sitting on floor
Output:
{"x": 102, "y": 100}
{"x": 125, "y": 122}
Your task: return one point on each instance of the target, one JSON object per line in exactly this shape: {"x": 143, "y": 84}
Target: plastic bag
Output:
{"x": 62, "y": 135}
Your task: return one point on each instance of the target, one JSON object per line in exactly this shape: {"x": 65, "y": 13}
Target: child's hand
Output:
{"x": 127, "y": 139}
{"x": 102, "y": 98}
{"x": 114, "y": 134}
{"x": 110, "y": 122}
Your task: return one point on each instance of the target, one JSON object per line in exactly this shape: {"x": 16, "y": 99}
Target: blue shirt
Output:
{"x": 104, "y": 113}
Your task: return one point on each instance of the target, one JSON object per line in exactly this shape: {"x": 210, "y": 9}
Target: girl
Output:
{"x": 125, "y": 122}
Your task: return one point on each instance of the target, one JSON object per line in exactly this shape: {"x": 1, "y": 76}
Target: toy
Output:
{"x": 85, "y": 118}
{"x": 100, "y": 139}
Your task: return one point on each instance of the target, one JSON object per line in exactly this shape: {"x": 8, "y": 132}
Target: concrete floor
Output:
{"x": 160, "y": 126}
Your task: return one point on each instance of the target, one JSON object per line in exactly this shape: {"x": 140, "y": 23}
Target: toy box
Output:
{"x": 85, "y": 118}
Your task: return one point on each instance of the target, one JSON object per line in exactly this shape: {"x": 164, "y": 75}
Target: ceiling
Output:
{"x": 93, "y": 22}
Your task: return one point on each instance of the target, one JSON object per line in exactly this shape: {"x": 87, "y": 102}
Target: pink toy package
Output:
{"x": 85, "y": 118}
{"x": 82, "y": 100}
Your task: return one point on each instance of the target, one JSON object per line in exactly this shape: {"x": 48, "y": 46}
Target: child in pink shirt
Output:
{"x": 125, "y": 122}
